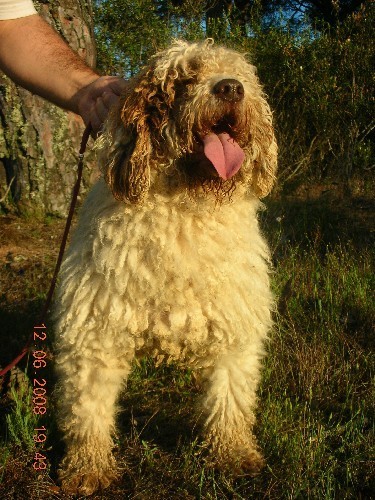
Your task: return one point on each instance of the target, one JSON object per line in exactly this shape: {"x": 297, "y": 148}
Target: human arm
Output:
{"x": 37, "y": 58}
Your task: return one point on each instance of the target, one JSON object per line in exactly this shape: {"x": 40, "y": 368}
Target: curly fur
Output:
{"x": 168, "y": 260}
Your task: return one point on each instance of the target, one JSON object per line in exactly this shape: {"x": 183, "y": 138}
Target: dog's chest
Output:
{"x": 182, "y": 274}
{"x": 179, "y": 276}
{"x": 163, "y": 245}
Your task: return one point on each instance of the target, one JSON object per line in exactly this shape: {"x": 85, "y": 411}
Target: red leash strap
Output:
{"x": 47, "y": 304}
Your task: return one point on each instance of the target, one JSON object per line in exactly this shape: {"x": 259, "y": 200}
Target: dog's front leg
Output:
{"x": 228, "y": 404}
{"x": 86, "y": 403}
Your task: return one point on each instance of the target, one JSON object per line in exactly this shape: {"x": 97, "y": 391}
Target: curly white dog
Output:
{"x": 168, "y": 259}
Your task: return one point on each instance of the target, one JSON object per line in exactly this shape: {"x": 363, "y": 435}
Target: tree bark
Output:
{"x": 39, "y": 142}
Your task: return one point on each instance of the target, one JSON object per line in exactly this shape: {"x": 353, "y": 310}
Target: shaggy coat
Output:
{"x": 167, "y": 259}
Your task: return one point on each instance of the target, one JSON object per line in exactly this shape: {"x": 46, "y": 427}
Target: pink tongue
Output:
{"x": 224, "y": 153}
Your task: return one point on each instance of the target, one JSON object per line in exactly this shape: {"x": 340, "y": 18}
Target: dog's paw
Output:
{"x": 86, "y": 484}
{"x": 249, "y": 462}
{"x": 237, "y": 462}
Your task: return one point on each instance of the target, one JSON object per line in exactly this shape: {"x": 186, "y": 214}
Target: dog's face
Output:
{"x": 201, "y": 109}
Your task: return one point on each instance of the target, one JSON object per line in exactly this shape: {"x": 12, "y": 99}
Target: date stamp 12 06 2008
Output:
{"x": 39, "y": 395}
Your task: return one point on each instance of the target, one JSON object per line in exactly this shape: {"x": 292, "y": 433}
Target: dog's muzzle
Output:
{"x": 223, "y": 152}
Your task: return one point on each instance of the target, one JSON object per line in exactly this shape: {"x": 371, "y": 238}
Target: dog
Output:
{"x": 168, "y": 260}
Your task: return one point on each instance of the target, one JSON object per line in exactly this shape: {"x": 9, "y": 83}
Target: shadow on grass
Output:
{"x": 323, "y": 222}
{"x": 157, "y": 406}
{"x": 17, "y": 322}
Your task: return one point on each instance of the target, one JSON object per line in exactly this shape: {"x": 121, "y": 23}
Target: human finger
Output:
{"x": 95, "y": 122}
{"x": 101, "y": 109}
{"x": 117, "y": 85}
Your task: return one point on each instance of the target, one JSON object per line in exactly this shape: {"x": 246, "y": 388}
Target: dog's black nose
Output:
{"x": 229, "y": 89}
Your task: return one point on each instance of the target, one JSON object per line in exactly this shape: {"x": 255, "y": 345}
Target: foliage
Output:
{"x": 320, "y": 86}
{"x": 21, "y": 422}
{"x": 129, "y": 32}
{"x": 332, "y": 12}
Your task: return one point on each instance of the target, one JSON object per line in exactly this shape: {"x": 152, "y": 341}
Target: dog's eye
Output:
{"x": 182, "y": 86}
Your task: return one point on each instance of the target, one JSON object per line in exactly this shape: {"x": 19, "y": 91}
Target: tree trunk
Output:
{"x": 39, "y": 142}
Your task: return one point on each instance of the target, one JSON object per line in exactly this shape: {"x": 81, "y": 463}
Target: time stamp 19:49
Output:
{"x": 39, "y": 396}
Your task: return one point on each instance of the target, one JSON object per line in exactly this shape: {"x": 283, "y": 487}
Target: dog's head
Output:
{"x": 198, "y": 109}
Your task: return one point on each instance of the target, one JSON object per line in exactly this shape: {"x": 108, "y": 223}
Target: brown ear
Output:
{"x": 134, "y": 129}
{"x": 128, "y": 174}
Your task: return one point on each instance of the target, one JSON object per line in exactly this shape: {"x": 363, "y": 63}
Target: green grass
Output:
{"x": 21, "y": 421}
{"x": 316, "y": 396}
{"x": 316, "y": 400}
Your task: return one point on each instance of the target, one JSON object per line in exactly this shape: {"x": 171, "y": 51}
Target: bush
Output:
{"x": 320, "y": 85}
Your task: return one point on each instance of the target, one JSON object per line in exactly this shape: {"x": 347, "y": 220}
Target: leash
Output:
{"x": 68, "y": 223}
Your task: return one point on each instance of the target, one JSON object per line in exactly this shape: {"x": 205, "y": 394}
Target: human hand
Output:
{"x": 94, "y": 101}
